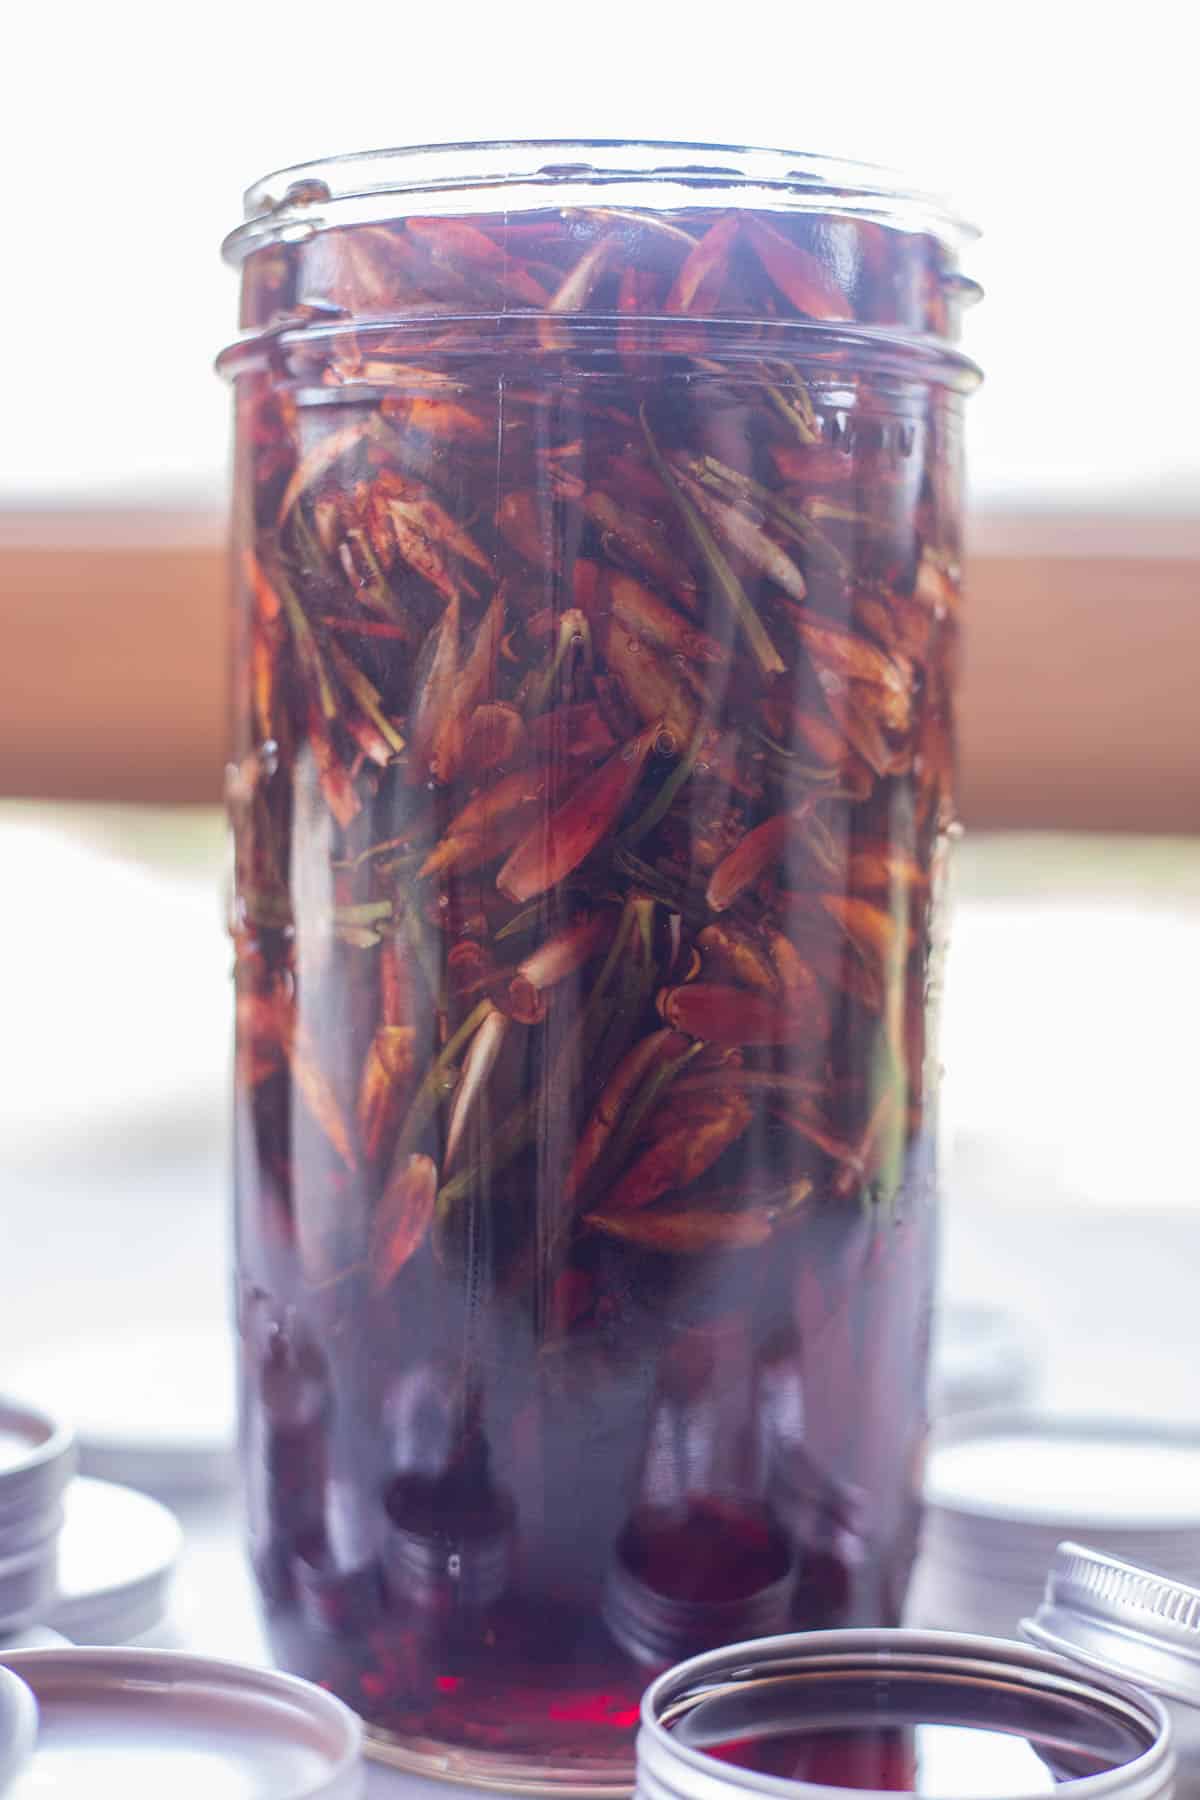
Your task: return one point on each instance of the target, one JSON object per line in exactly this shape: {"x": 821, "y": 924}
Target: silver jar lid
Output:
{"x": 163, "y": 1423}
{"x": 935, "y": 1713}
{"x": 150, "y": 1723}
{"x": 37, "y": 1459}
{"x": 1003, "y": 1489}
{"x": 1129, "y": 1621}
{"x": 116, "y": 1557}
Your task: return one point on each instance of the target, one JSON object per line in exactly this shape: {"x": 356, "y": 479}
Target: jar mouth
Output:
{"x": 865, "y": 1680}
{"x": 362, "y": 186}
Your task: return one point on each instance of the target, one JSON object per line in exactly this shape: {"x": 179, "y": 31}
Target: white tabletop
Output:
{"x": 1070, "y": 1171}
{"x": 1099, "y": 1357}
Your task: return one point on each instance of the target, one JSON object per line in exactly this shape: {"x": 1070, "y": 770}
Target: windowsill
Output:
{"x": 1077, "y": 709}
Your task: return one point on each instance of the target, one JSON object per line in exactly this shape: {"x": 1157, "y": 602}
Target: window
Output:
{"x": 1071, "y": 143}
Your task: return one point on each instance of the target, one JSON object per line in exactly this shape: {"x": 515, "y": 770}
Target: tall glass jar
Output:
{"x": 596, "y": 574}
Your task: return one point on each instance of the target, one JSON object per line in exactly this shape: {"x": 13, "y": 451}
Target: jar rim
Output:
{"x": 360, "y": 186}
{"x": 671, "y": 1770}
{"x": 886, "y": 351}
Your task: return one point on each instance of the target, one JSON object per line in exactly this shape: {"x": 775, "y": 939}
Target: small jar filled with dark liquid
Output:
{"x": 935, "y": 1714}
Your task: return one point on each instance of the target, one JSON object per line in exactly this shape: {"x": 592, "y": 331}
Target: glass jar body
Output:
{"x": 590, "y": 789}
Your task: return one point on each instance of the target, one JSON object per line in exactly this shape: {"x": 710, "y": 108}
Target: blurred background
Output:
{"x": 1074, "y": 981}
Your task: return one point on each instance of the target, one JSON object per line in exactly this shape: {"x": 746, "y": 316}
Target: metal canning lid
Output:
{"x": 37, "y": 1459}
{"x": 27, "y": 1584}
{"x": 159, "y": 1722}
{"x": 1111, "y": 1614}
{"x": 164, "y": 1423}
{"x": 937, "y": 1713}
{"x": 1014, "y": 1472}
{"x": 18, "y": 1724}
{"x": 115, "y": 1560}
{"x": 28, "y": 1534}
{"x": 1003, "y": 1489}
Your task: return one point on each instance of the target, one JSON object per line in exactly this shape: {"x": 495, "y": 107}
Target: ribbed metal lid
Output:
{"x": 1126, "y": 1620}
{"x": 37, "y": 1459}
{"x": 923, "y": 1694}
{"x": 161, "y": 1725}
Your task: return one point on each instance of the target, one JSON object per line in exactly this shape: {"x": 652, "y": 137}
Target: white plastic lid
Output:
{"x": 37, "y": 1459}
{"x": 32, "y": 1637}
{"x": 146, "y": 1724}
{"x": 115, "y": 1559}
{"x": 18, "y": 1725}
{"x": 29, "y": 1533}
{"x": 1037, "y": 1470}
{"x": 163, "y": 1420}
{"x": 27, "y": 1584}
{"x": 1003, "y": 1489}
{"x": 982, "y": 1356}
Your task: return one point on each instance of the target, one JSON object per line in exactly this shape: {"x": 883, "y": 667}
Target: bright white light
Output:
{"x": 138, "y": 127}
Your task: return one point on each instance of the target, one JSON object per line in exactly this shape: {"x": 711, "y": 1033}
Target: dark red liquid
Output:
{"x": 521, "y": 1429}
{"x": 910, "y": 1735}
{"x": 519, "y": 1600}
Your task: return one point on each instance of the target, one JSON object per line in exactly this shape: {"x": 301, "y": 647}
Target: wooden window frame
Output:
{"x": 1079, "y": 705}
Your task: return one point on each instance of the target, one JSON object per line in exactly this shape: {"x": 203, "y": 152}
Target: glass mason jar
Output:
{"x": 596, "y": 566}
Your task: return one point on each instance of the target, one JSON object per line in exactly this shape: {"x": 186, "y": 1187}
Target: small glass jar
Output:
{"x": 934, "y": 1713}
{"x": 597, "y": 544}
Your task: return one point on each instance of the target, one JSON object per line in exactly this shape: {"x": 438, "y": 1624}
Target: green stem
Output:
{"x": 766, "y": 1080}
{"x": 590, "y": 1027}
{"x": 763, "y": 650}
{"x": 795, "y": 407}
{"x": 686, "y": 900}
{"x": 377, "y": 588}
{"x": 507, "y": 1143}
{"x": 616, "y": 949}
{"x": 427, "y": 961}
{"x": 431, "y": 1089}
{"x": 612, "y": 1158}
{"x": 271, "y": 910}
{"x": 406, "y": 856}
{"x": 308, "y": 547}
{"x": 806, "y": 771}
{"x": 541, "y": 688}
{"x": 363, "y": 912}
{"x": 665, "y": 797}
{"x": 606, "y": 1039}
{"x": 306, "y": 643}
{"x": 368, "y": 698}
{"x": 730, "y": 484}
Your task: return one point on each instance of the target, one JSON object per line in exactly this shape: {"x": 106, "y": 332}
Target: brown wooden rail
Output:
{"x": 1081, "y": 704}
